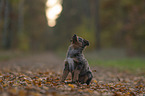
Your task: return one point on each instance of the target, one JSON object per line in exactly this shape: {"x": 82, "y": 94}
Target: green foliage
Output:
{"x": 23, "y": 42}
{"x": 14, "y": 3}
{"x": 121, "y": 24}
{"x": 3, "y": 58}
{"x": 86, "y": 30}
{"x": 116, "y": 59}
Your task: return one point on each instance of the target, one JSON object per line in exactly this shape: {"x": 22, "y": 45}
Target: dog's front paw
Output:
{"x": 73, "y": 82}
{"x": 62, "y": 81}
{"x": 78, "y": 83}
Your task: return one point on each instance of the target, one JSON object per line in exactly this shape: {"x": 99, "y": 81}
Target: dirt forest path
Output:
{"x": 39, "y": 75}
{"x": 38, "y": 62}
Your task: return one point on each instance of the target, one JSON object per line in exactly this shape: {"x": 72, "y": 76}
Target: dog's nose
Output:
{"x": 75, "y": 35}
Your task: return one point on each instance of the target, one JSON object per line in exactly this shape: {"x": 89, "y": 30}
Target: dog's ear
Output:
{"x": 86, "y": 42}
{"x": 74, "y": 38}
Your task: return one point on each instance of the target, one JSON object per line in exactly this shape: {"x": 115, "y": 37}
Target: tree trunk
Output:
{"x": 6, "y": 26}
{"x": 97, "y": 24}
{"x": 20, "y": 17}
{"x": 20, "y": 35}
{"x": 94, "y": 11}
{"x": 1, "y": 7}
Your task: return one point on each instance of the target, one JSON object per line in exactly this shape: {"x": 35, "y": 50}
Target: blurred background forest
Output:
{"x": 26, "y": 25}
{"x": 35, "y": 35}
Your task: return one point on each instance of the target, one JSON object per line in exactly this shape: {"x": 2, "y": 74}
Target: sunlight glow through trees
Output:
{"x": 53, "y": 10}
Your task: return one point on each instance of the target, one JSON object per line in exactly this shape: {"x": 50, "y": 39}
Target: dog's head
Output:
{"x": 79, "y": 42}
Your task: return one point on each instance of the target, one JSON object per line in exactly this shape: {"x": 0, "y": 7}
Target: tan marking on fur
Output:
{"x": 77, "y": 44}
{"x": 65, "y": 61}
{"x": 85, "y": 78}
{"x": 75, "y": 59}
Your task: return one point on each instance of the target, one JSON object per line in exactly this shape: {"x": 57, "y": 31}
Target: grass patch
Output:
{"x": 130, "y": 64}
{"x": 3, "y": 58}
{"x": 113, "y": 58}
{"x": 7, "y": 55}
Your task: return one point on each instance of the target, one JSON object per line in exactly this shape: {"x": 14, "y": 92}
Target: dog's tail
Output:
{"x": 71, "y": 64}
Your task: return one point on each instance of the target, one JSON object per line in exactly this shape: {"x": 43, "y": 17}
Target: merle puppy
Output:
{"x": 76, "y": 63}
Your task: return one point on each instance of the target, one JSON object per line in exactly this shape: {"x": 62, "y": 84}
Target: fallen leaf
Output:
{"x": 71, "y": 85}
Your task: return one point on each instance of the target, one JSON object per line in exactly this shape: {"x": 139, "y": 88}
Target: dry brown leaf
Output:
{"x": 71, "y": 85}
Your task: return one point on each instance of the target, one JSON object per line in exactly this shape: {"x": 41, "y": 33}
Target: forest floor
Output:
{"x": 39, "y": 75}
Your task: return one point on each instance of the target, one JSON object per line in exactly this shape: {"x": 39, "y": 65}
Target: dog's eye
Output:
{"x": 80, "y": 39}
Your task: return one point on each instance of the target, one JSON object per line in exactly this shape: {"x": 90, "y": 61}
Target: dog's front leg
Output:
{"x": 65, "y": 72}
{"x": 72, "y": 76}
{"x": 76, "y": 73}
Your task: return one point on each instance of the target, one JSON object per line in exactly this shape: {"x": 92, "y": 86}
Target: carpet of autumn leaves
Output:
{"x": 41, "y": 77}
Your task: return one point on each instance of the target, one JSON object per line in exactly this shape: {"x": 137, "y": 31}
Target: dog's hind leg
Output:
{"x": 90, "y": 76}
{"x": 83, "y": 79}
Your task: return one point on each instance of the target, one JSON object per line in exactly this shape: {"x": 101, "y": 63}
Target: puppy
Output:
{"x": 76, "y": 63}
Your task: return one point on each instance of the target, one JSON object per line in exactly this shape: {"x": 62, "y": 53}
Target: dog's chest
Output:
{"x": 72, "y": 53}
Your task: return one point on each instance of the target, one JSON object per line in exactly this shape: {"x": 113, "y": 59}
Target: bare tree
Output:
{"x": 1, "y": 7}
{"x": 94, "y": 9}
{"x": 97, "y": 24}
{"x": 6, "y": 25}
{"x": 20, "y": 17}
